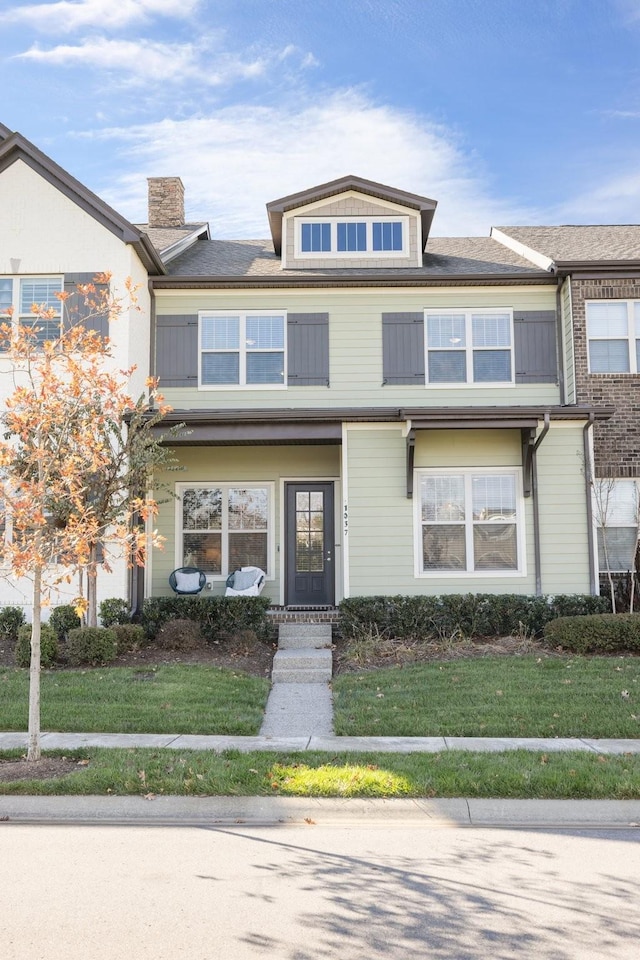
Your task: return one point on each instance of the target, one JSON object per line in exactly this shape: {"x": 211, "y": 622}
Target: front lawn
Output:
{"x": 505, "y": 696}
{"x": 156, "y": 699}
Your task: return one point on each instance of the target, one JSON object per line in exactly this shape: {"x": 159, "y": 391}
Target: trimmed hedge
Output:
{"x": 91, "y": 645}
{"x": 11, "y": 619}
{"x": 459, "y": 615}
{"x": 48, "y": 646}
{"x": 114, "y": 610}
{"x": 602, "y": 633}
{"x": 215, "y": 615}
{"x": 62, "y": 619}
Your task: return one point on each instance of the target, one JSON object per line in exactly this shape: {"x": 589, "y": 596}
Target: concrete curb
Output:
{"x": 233, "y": 811}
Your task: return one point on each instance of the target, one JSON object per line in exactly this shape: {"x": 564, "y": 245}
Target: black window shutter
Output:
{"x": 177, "y": 350}
{"x": 536, "y": 350}
{"x": 308, "y": 349}
{"x": 403, "y": 348}
{"x": 77, "y": 311}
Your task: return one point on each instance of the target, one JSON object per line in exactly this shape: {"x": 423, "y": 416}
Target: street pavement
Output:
{"x": 352, "y": 890}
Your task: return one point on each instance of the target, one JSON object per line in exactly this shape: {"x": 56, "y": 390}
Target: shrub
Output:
{"x": 62, "y": 619}
{"x": 180, "y": 635}
{"x": 458, "y": 615}
{"x": 598, "y": 633}
{"x": 216, "y": 615}
{"x": 48, "y": 646}
{"x": 114, "y": 610}
{"x": 11, "y": 619}
{"x": 129, "y": 636}
{"x": 91, "y": 645}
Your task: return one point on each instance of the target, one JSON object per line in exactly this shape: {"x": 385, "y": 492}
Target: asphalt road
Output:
{"x": 352, "y": 890}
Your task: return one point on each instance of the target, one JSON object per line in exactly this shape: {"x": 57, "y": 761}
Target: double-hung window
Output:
{"x": 223, "y": 527}
{"x": 344, "y": 237}
{"x": 469, "y": 522}
{"x": 613, "y": 331}
{"x": 469, "y": 346}
{"x": 617, "y": 514}
{"x": 243, "y": 349}
{"x": 21, "y": 295}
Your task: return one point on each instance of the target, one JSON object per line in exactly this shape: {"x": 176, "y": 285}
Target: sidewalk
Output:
{"x": 75, "y": 741}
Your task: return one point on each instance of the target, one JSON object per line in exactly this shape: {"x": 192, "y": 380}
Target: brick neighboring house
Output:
{"x": 598, "y": 271}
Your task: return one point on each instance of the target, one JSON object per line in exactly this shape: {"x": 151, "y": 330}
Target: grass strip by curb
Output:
{"x": 511, "y": 774}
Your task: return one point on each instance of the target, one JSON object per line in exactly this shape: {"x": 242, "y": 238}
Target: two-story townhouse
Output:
{"x": 371, "y": 410}
{"x": 598, "y": 272}
{"x": 56, "y": 234}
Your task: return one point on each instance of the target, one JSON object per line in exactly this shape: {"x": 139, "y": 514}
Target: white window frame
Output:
{"x": 336, "y": 254}
{"x": 468, "y": 473}
{"x": 225, "y": 486}
{"x": 16, "y": 296}
{"x": 468, "y": 313}
{"x": 630, "y": 337}
{"x": 242, "y": 349}
{"x": 612, "y": 522}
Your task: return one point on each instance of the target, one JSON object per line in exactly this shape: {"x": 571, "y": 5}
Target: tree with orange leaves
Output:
{"x": 76, "y": 459}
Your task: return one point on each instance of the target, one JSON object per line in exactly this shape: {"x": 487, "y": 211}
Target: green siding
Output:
{"x": 563, "y": 513}
{"x": 381, "y": 518}
{"x": 355, "y": 346}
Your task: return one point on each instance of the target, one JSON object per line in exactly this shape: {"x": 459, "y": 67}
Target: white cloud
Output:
{"x": 149, "y": 60}
{"x": 615, "y": 199}
{"x": 66, "y": 16}
{"x": 239, "y": 158}
{"x": 196, "y": 64}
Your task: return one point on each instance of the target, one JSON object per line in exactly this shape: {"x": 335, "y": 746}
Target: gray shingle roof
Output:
{"x": 255, "y": 258}
{"x": 580, "y": 243}
{"x": 164, "y": 237}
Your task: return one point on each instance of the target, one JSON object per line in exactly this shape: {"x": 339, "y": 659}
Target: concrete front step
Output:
{"x": 302, "y": 666}
{"x": 303, "y": 636}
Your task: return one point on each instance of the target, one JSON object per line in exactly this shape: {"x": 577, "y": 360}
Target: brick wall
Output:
{"x": 617, "y": 441}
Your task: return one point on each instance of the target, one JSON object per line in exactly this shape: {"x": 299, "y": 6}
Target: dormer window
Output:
{"x": 341, "y": 237}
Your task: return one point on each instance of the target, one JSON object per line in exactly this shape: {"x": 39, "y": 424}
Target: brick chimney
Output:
{"x": 166, "y": 202}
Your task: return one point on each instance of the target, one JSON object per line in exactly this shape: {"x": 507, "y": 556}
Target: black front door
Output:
{"x": 309, "y": 563}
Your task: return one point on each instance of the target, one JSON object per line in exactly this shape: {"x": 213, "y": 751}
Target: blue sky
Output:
{"x": 505, "y": 111}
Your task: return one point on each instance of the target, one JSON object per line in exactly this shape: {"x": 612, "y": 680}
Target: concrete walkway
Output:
{"x": 331, "y": 744}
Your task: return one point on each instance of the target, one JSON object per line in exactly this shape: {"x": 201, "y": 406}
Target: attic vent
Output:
{"x": 166, "y": 202}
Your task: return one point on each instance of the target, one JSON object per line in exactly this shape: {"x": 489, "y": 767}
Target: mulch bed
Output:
{"x": 48, "y": 768}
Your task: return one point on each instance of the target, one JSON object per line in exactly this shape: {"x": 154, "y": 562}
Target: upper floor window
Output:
{"x": 469, "y": 346}
{"x": 242, "y": 349}
{"x": 469, "y": 521}
{"x": 613, "y": 331}
{"x": 22, "y": 294}
{"x": 342, "y": 237}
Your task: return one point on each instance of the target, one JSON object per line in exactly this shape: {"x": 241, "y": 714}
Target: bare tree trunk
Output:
{"x": 92, "y": 588}
{"x": 33, "y": 751}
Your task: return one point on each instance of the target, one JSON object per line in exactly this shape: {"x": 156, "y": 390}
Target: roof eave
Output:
{"x": 357, "y": 280}
{"x": 13, "y": 147}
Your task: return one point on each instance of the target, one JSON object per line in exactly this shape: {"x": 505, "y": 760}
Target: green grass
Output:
{"x": 512, "y": 774}
{"x": 525, "y": 696}
{"x": 163, "y": 699}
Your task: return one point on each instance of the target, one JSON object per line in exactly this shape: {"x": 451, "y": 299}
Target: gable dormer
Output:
{"x": 350, "y": 223}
